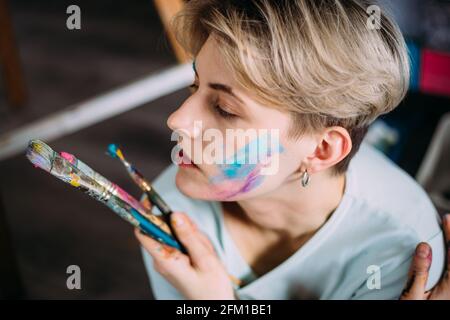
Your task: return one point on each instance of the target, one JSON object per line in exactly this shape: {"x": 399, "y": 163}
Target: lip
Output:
{"x": 186, "y": 162}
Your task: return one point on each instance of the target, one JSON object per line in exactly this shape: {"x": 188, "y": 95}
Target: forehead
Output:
{"x": 210, "y": 64}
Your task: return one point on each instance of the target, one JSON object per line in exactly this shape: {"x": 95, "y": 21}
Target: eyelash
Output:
{"x": 217, "y": 108}
{"x": 193, "y": 87}
{"x": 224, "y": 114}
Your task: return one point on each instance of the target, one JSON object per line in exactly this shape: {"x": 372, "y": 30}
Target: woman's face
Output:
{"x": 239, "y": 148}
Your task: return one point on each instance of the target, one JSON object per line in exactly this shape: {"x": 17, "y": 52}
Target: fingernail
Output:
{"x": 423, "y": 251}
{"x": 178, "y": 220}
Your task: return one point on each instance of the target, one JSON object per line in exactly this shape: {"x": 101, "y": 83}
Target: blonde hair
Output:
{"x": 316, "y": 59}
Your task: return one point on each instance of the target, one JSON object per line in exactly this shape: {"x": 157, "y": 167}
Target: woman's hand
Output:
{"x": 201, "y": 275}
{"x": 418, "y": 273}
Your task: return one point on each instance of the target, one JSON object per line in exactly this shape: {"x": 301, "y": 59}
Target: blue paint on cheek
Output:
{"x": 243, "y": 164}
{"x": 237, "y": 170}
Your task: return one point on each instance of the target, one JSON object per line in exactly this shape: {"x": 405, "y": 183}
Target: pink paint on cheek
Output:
{"x": 236, "y": 187}
{"x": 253, "y": 180}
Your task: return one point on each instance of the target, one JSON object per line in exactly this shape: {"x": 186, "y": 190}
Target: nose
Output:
{"x": 186, "y": 119}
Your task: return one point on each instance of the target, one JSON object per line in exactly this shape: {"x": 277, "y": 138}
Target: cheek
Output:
{"x": 240, "y": 175}
{"x": 236, "y": 179}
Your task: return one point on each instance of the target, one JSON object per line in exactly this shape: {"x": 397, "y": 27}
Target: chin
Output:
{"x": 198, "y": 187}
{"x": 192, "y": 185}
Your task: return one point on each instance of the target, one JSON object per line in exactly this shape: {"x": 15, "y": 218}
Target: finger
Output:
{"x": 167, "y": 261}
{"x": 418, "y": 274}
{"x": 201, "y": 255}
{"x": 156, "y": 249}
{"x": 206, "y": 242}
{"x": 146, "y": 203}
{"x": 447, "y": 238}
{"x": 201, "y": 236}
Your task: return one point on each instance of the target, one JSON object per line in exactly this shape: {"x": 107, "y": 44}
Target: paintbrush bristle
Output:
{"x": 40, "y": 154}
{"x": 115, "y": 152}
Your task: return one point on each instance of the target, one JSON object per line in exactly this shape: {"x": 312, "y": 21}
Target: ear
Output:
{"x": 334, "y": 144}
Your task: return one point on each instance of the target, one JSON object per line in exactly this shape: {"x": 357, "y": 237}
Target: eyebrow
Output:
{"x": 218, "y": 86}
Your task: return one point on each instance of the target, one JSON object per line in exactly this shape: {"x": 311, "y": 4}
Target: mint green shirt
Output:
{"x": 362, "y": 252}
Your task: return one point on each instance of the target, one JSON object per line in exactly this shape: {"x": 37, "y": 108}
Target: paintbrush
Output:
{"x": 71, "y": 170}
{"x": 115, "y": 190}
{"x": 86, "y": 179}
{"x": 115, "y": 152}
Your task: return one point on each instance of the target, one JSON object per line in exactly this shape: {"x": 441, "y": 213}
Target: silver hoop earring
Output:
{"x": 305, "y": 179}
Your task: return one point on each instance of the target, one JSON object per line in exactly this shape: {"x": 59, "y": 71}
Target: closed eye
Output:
{"x": 217, "y": 108}
{"x": 224, "y": 114}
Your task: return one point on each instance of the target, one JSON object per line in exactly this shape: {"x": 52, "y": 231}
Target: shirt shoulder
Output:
{"x": 382, "y": 185}
{"x": 391, "y": 206}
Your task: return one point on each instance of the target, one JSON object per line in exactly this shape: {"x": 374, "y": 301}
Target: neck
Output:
{"x": 292, "y": 210}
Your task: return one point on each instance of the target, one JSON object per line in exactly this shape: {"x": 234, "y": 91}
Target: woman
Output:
{"x": 333, "y": 218}
{"x": 415, "y": 288}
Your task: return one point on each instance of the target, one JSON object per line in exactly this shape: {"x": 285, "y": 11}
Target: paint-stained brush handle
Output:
{"x": 114, "y": 151}
{"x": 69, "y": 170}
{"x": 156, "y": 200}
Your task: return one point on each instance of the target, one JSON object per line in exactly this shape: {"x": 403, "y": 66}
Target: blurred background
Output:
{"x": 116, "y": 80}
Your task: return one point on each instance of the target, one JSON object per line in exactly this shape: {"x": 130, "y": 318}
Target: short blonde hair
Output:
{"x": 316, "y": 59}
